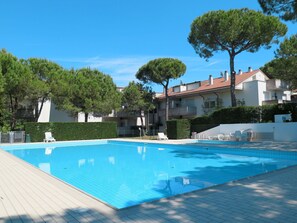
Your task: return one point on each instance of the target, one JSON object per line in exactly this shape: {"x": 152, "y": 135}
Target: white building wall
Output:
{"x": 49, "y": 113}
{"x": 45, "y": 112}
{"x": 250, "y": 93}
{"x": 91, "y": 118}
{"x": 60, "y": 116}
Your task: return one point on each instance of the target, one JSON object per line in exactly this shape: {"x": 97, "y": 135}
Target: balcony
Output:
{"x": 275, "y": 102}
{"x": 125, "y": 114}
{"x": 275, "y": 84}
{"x": 180, "y": 111}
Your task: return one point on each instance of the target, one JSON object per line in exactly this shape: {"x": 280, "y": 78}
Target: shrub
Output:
{"x": 241, "y": 114}
{"x": 71, "y": 130}
{"x": 178, "y": 129}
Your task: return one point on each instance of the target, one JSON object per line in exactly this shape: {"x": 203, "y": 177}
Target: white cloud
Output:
{"x": 123, "y": 69}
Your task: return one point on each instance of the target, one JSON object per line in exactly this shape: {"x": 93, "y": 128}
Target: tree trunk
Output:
{"x": 13, "y": 107}
{"x": 233, "y": 78}
{"x": 166, "y": 105}
{"x": 86, "y": 116}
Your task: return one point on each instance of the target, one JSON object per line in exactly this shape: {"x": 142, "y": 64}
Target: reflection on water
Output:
{"x": 124, "y": 175}
{"x": 48, "y": 150}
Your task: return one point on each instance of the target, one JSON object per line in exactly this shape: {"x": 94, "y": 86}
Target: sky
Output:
{"x": 117, "y": 37}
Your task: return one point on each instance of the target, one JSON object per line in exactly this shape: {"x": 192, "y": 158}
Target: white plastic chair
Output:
{"x": 238, "y": 135}
{"x": 162, "y": 136}
{"x": 49, "y": 137}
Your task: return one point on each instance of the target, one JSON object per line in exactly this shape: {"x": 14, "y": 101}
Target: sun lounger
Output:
{"x": 162, "y": 136}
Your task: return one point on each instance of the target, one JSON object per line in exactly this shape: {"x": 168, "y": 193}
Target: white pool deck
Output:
{"x": 30, "y": 195}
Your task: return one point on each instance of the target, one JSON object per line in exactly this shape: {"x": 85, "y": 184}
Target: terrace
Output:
{"x": 30, "y": 195}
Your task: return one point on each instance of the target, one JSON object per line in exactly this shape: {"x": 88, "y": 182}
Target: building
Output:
{"x": 189, "y": 100}
{"x": 252, "y": 88}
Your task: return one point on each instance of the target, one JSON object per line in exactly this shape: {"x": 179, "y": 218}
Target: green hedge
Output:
{"x": 178, "y": 129}
{"x": 242, "y": 114}
{"x": 63, "y": 131}
{"x": 247, "y": 114}
{"x": 202, "y": 127}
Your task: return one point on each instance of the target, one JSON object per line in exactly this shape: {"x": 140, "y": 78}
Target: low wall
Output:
{"x": 286, "y": 131}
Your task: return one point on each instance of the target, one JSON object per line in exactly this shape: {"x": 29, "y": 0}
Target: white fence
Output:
{"x": 12, "y": 137}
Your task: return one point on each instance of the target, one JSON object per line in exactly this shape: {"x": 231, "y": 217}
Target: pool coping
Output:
{"x": 108, "y": 211}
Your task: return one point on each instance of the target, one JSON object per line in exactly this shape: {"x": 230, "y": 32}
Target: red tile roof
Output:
{"x": 218, "y": 83}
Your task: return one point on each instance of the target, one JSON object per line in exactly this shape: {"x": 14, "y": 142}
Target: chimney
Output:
{"x": 226, "y": 76}
{"x": 210, "y": 80}
{"x": 239, "y": 72}
{"x": 250, "y": 69}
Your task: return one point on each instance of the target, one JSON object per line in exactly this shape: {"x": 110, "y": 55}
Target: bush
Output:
{"x": 63, "y": 131}
{"x": 242, "y": 114}
{"x": 201, "y": 127}
{"x": 178, "y": 129}
{"x": 201, "y": 120}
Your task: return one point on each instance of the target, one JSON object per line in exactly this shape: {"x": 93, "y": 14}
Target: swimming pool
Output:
{"x": 123, "y": 174}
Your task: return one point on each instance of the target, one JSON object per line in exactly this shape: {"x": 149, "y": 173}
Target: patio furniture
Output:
{"x": 49, "y": 137}
{"x": 238, "y": 135}
{"x": 247, "y": 135}
{"x": 162, "y": 136}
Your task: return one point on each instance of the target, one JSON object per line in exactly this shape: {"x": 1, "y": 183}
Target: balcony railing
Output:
{"x": 122, "y": 114}
{"x": 275, "y": 84}
{"x": 274, "y": 102}
{"x": 180, "y": 111}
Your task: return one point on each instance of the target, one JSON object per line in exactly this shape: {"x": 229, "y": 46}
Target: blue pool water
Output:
{"x": 124, "y": 174}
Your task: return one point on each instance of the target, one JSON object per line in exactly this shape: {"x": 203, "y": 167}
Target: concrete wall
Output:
{"x": 286, "y": 131}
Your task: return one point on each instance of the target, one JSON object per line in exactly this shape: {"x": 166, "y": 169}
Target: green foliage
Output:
{"x": 202, "y": 123}
{"x": 19, "y": 83}
{"x": 86, "y": 90}
{"x": 138, "y": 99}
{"x": 201, "y": 120}
{"x": 234, "y": 31}
{"x": 178, "y": 129}
{"x": 287, "y": 9}
{"x": 44, "y": 72}
{"x": 201, "y": 127}
{"x": 268, "y": 111}
{"x": 244, "y": 114}
{"x": 71, "y": 130}
{"x": 285, "y": 65}
{"x": 161, "y": 71}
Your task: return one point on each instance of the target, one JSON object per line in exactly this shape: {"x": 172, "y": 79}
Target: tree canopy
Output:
{"x": 45, "y": 71}
{"x": 234, "y": 31}
{"x": 19, "y": 84}
{"x": 285, "y": 65}
{"x": 86, "y": 90}
{"x": 161, "y": 71}
{"x": 138, "y": 98}
{"x": 286, "y": 9}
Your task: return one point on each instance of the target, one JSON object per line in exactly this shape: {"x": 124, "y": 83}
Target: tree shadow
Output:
{"x": 269, "y": 197}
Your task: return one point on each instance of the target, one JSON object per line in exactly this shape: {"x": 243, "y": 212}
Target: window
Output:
{"x": 209, "y": 104}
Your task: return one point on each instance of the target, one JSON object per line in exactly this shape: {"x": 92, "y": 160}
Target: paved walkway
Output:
{"x": 30, "y": 195}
